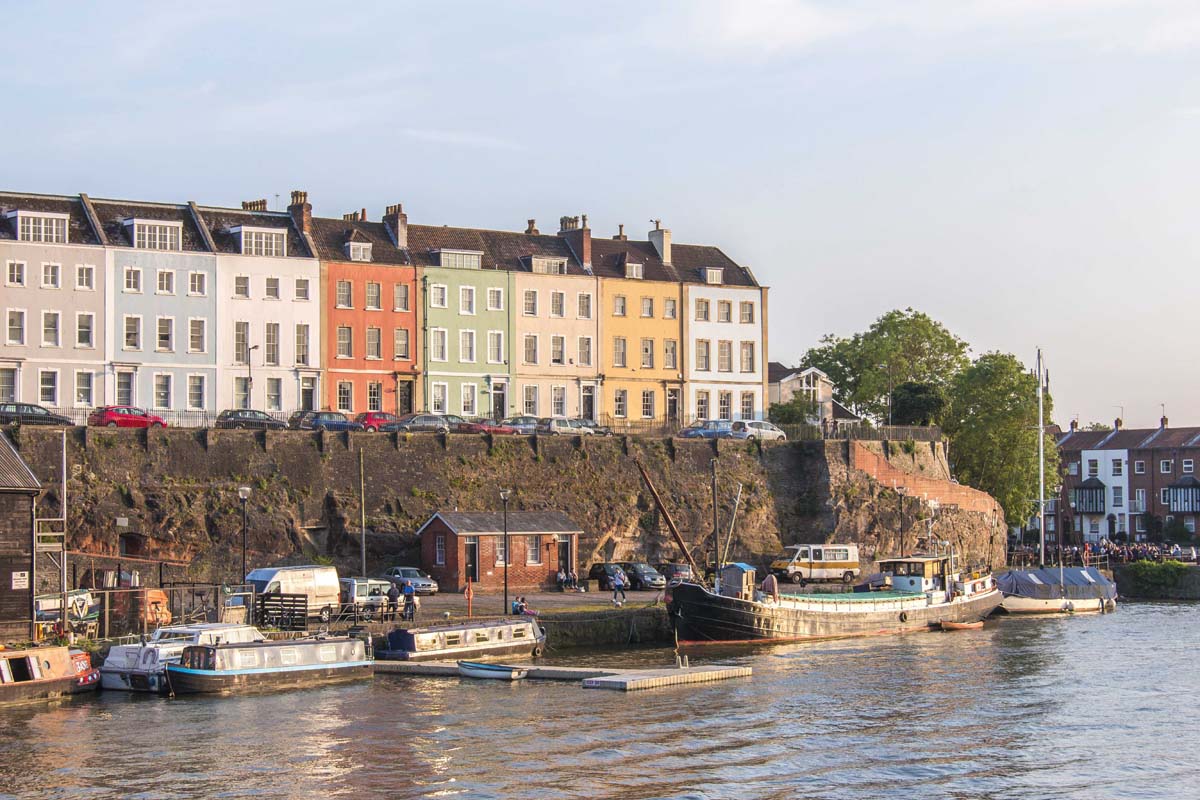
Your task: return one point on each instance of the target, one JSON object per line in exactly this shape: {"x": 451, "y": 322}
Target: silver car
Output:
{"x": 421, "y": 583}
{"x": 756, "y": 429}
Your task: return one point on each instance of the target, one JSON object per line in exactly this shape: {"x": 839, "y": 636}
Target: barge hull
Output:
{"x": 15, "y": 694}
{"x": 190, "y": 681}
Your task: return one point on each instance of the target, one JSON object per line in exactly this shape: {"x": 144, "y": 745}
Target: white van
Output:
{"x": 319, "y": 584}
{"x": 818, "y": 562}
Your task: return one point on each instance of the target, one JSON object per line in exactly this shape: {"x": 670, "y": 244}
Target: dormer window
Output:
{"x": 358, "y": 251}
{"x": 41, "y": 227}
{"x": 271, "y": 242}
{"x": 713, "y": 275}
{"x": 634, "y": 272}
{"x": 549, "y": 266}
{"x": 460, "y": 259}
{"x": 155, "y": 234}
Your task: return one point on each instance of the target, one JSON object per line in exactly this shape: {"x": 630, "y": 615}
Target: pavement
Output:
{"x": 542, "y": 602}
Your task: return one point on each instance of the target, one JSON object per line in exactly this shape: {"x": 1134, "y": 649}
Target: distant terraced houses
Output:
{"x": 190, "y": 309}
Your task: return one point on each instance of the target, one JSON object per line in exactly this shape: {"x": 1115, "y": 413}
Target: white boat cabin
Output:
{"x": 930, "y": 575}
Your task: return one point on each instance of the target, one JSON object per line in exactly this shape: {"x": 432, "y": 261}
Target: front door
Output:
{"x": 472, "y": 558}
{"x": 499, "y": 401}
{"x": 564, "y": 554}
{"x": 672, "y": 405}
{"x": 587, "y": 403}
{"x": 308, "y": 393}
{"x": 404, "y": 397}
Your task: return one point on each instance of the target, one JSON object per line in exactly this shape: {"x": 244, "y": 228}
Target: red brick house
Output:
{"x": 457, "y": 545}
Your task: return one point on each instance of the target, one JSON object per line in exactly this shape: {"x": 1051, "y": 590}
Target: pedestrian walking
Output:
{"x": 618, "y": 585}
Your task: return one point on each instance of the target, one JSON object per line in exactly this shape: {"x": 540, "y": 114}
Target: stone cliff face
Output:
{"x": 178, "y": 491}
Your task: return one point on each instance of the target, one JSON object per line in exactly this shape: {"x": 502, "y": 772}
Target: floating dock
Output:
{"x": 624, "y": 680}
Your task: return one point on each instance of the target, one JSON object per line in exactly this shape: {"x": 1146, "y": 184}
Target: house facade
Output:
{"x": 724, "y": 333}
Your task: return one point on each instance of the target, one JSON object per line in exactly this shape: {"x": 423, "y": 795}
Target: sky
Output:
{"x": 1024, "y": 171}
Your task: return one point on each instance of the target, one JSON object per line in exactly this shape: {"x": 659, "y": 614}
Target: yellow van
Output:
{"x": 818, "y": 562}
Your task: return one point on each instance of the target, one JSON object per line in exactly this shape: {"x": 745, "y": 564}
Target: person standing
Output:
{"x": 618, "y": 585}
{"x": 770, "y": 586}
{"x": 410, "y": 601}
{"x": 393, "y": 600}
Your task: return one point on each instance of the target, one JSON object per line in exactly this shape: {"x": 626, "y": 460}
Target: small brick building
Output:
{"x": 19, "y": 489}
{"x": 457, "y": 545}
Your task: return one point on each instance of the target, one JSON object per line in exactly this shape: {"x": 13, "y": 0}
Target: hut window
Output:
{"x": 453, "y": 640}
{"x": 247, "y": 658}
{"x": 327, "y": 652}
{"x": 518, "y": 633}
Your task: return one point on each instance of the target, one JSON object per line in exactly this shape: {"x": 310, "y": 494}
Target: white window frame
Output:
{"x": 302, "y": 346}
{"x": 557, "y": 393}
{"x": 670, "y": 308}
{"x": 1139, "y": 467}
{"x": 495, "y": 292}
{"x": 148, "y": 234}
{"x": 306, "y": 294}
{"x": 337, "y": 293}
{"x": 378, "y": 344}
{"x": 91, "y": 345}
{"x": 433, "y": 397}
{"x": 671, "y": 354}
{"x": 561, "y": 341}
{"x": 124, "y": 333}
{"x": 396, "y": 354}
{"x": 203, "y": 277}
{"x": 158, "y": 321}
{"x": 433, "y": 335}
{"x": 463, "y": 335}
{"x": 397, "y": 294}
{"x": 8, "y": 268}
{"x": 60, "y": 226}
{"x": 203, "y": 391}
{"x": 561, "y": 299}
{"x": 581, "y": 351}
{"x": 204, "y": 324}
{"x": 91, "y": 398}
{"x": 526, "y": 395}
{"x": 337, "y": 333}
{"x": 439, "y": 549}
{"x": 170, "y": 391}
{"x": 743, "y": 307}
{"x": 537, "y": 346}
{"x": 499, "y": 335}
{"x": 714, "y": 275}
{"x": 159, "y": 274}
{"x": 647, "y": 358}
{"x": 375, "y": 396}
{"x": 724, "y": 311}
{"x": 533, "y": 545}
{"x": 1166, "y": 466}
{"x": 348, "y": 406}
{"x": 136, "y": 273}
{"x": 621, "y": 403}
{"x": 58, "y": 327}
{"x": 378, "y": 296}
{"x": 620, "y": 305}
{"x": 578, "y": 305}
{"x": 249, "y": 292}
{"x": 24, "y": 327}
{"x": 256, "y": 244}
{"x": 526, "y": 296}
{"x": 434, "y": 290}
{"x": 57, "y": 273}
{"x": 623, "y": 361}
{"x": 57, "y": 387}
{"x": 653, "y": 398}
{"x": 267, "y": 288}
{"x": 466, "y": 301}
{"x": 464, "y": 390}
{"x": 1188, "y": 466}
{"x": 272, "y": 351}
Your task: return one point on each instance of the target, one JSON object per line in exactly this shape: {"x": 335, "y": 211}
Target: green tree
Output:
{"x": 991, "y": 422}
{"x": 1097, "y": 426}
{"x": 899, "y": 347}
{"x": 799, "y": 410}
{"x": 917, "y": 404}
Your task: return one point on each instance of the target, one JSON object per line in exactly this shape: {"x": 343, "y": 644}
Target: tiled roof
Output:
{"x": 113, "y": 213}
{"x": 221, "y": 220}
{"x": 15, "y": 475}
{"x": 1186, "y": 482}
{"x": 79, "y": 231}
{"x": 507, "y": 250}
{"x": 471, "y": 523}
{"x": 609, "y": 257}
{"x": 777, "y": 371}
{"x": 690, "y": 261}
{"x": 331, "y": 235}
{"x": 1130, "y": 439}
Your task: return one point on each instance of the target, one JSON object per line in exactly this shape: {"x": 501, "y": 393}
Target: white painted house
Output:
{"x": 724, "y": 324}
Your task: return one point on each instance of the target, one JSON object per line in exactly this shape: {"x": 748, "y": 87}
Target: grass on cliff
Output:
{"x": 1153, "y": 579}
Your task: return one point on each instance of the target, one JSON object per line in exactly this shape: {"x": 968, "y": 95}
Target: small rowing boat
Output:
{"x": 947, "y": 625}
{"x": 495, "y": 672}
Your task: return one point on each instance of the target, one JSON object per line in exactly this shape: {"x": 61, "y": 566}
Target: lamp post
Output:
{"x": 249, "y": 381}
{"x": 244, "y": 493}
{"x": 504, "y": 495}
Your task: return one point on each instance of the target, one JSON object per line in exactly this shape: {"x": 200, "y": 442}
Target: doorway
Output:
{"x": 404, "y": 397}
{"x": 471, "y": 548}
{"x": 587, "y": 402}
{"x": 672, "y": 405}
{"x": 308, "y": 393}
{"x": 499, "y": 401}
{"x": 564, "y": 555}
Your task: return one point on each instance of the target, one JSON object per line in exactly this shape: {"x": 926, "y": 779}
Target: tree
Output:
{"x": 1097, "y": 426}
{"x": 1176, "y": 531}
{"x": 991, "y": 421}
{"x": 797, "y": 411}
{"x": 917, "y": 404}
{"x": 899, "y": 347}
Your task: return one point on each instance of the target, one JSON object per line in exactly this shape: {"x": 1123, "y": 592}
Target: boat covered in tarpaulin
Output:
{"x": 1054, "y": 590}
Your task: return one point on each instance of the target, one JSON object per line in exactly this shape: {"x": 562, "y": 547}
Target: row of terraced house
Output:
{"x": 178, "y": 307}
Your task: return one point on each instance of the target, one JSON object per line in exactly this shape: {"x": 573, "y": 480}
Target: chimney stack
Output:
{"x": 254, "y": 205}
{"x": 1074, "y": 425}
{"x": 532, "y": 229}
{"x": 660, "y": 237}
{"x": 620, "y": 237}
{"x": 1117, "y": 424}
{"x": 396, "y": 221}
{"x": 301, "y": 211}
{"x": 579, "y": 239}
{"x": 1162, "y": 422}
{"x": 351, "y": 217}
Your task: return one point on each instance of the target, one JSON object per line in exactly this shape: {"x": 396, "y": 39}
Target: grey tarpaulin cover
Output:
{"x": 1072, "y": 583}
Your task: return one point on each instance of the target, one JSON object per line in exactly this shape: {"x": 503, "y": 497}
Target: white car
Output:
{"x": 757, "y": 429}
{"x": 422, "y": 583}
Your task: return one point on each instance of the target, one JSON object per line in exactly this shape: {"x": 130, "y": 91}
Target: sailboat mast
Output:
{"x": 1041, "y": 429}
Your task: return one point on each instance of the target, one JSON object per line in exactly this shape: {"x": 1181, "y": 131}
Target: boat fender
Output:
{"x": 538, "y": 650}
{"x": 904, "y": 616}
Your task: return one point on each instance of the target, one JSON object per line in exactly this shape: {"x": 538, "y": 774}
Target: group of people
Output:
{"x": 568, "y": 581}
{"x": 409, "y": 593}
{"x": 1092, "y": 552}
{"x": 521, "y": 607}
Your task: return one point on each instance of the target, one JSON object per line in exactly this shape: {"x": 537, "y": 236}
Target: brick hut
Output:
{"x": 19, "y": 489}
{"x": 457, "y": 545}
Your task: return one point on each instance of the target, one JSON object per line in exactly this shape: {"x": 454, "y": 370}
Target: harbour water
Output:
{"x": 1090, "y": 707}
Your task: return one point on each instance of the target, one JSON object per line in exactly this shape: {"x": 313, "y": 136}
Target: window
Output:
{"x": 457, "y": 260}
{"x": 437, "y": 345}
{"x": 48, "y": 386}
{"x": 495, "y": 299}
{"x": 1164, "y": 496}
{"x": 438, "y": 296}
{"x": 149, "y": 236}
{"x": 747, "y": 405}
{"x": 618, "y": 351}
{"x": 648, "y": 404}
{"x": 345, "y": 295}
{"x": 1140, "y": 525}
{"x": 16, "y": 327}
{"x": 1117, "y": 467}
{"x": 85, "y": 325}
{"x": 197, "y": 336}
{"x": 301, "y": 289}
{"x": 133, "y": 333}
{"x": 165, "y": 341}
{"x": 501, "y": 556}
{"x": 400, "y": 297}
{"x": 345, "y": 396}
{"x": 263, "y": 243}
{"x": 374, "y": 395}
{"x": 375, "y": 343}
{"x": 549, "y": 266}
{"x": 271, "y": 343}
{"x": 274, "y": 394}
{"x": 531, "y": 348}
{"x": 713, "y": 275}
{"x": 558, "y": 347}
{"x": 1189, "y": 466}
{"x": 83, "y": 388}
{"x": 747, "y": 356}
{"x": 619, "y": 306}
{"x": 724, "y": 405}
{"x": 85, "y": 276}
{"x": 724, "y": 356}
{"x": 669, "y": 310}
{"x": 1166, "y": 466}
{"x": 8, "y": 385}
{"x": 302, "y": 344}
{"x": 670, "y": 354}
{"x": 533, "y": 549}
{"x": 1139, "y": 468}
{"x": 360, "y": 251}
{"x": 42, "y": 228}
{"x": 196, "y": 391}
{"x": 585, "y": 351}
{"x": 702, "y": 355}
{"x": 241, "y": 286}
{"x": 51, "y": 276}
{"x": 620, "y": 403}
{"x": 724, "y": 311}
{"x": 701, "y": 310}
{"x": 50, "y": 329}
{"x": 1118, "y": 496}
{"x": 585, "y": 306}
{"x": 466, "y": 300}
{"x": 647, "y": 306}
{"x": 133, "y": 279}
{"x": 165, "y": 281}
{"x": 530, "y": 303}
{"x": 1093, "y": 468}
{"x": 1189, "y": 524}
{"x": 1073, "y": 468}
{"x": 647, "y": 353}
{"x": 747, "y": 313}
{"x": 345, "y": 342}
{"x": 1139, "y": 500}
{"x": 400, "y": 344}
{"x": 531, "y": 400}
{"x": 241, "y": 342}
{"x": 558, "y": 401}
{"x": 558, "y": 304}
{"x": 634, "y": 272}
{"x": 125, "y": 396}
{"x": 468, "y": 399}
{"x": 466, "y": 346}
{"x": 439, "y": 549}
{"x": 495, "y": 347}
{"x": 437, "y": 403}
{"x": 197, "y": 284}
{"x": 162, "y": 391}
{"x": 271, "y": 292}
{"x": 15, "y": 275}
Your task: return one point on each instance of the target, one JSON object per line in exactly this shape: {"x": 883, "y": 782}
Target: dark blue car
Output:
{"x": 712, "y": 429}
{"x": 327, "y": 421}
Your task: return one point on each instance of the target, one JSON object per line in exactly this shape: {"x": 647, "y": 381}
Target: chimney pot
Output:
{"x": 532, "y": 228}
{"x": 1162, "y": 422}
{"x": 1117, "y": 424}
{"x": 254, "y": 205}
{"x": 660, "y": 237}
{"x": 301, "y": 211}
{"x": 1074, "y": 425}
{"x": 396, "y": 221}
{"x": 363, "y": 215}
{"x": 584, "y": 221}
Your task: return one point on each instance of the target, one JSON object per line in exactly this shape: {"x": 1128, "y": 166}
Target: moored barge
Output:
{"x": 45, "y": 673}
{"x": 243, "y": 668}
{"x": 142, "y": 667}
{"x": 515, "y": 636}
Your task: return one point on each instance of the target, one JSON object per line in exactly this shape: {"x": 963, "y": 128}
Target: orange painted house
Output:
{"x": 369, "y": 310}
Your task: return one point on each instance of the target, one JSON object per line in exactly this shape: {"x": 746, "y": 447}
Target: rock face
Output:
{"x": 177, "y": 490}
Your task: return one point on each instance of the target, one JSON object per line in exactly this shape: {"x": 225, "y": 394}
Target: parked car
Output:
{"x": 642, "y": 576}
{"x": 419, "y": 423}
{"x": 327, "y": 421}
{"x": 604, "y": 574}
{"x": 422, "y": 583}
{"x": 368, "y": 596}
{"x": 675, "y": 572}
{"x": 489, "y": 426}
{"x": 375, "y": 420}
{"x": 29, "y": 414}
{"x": 554, "y": 426}
{"x": 123, "y": 417}
{"x": 294, "y": 419}
{"x": 524, "y": 425}
{"x": 712, "y": 429}
{"x": 248, "y": 418}
{"x": 756, "y": 429}
{"x": 591, "y": 426}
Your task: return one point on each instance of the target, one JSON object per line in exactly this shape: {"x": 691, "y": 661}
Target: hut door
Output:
{"x": 472, "y": 558}
{"x": 404, "y": 397}
{"x": 564, "y": 555}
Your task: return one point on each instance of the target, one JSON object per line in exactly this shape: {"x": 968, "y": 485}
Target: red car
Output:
{"x": 123, "y": 417}
{"x": 375, "y": 420}
{"x": 489, "y": 426}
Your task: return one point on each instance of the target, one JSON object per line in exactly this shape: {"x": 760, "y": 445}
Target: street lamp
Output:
{"x": 504, "y": 495}
{"x": 249, "y": 383}
{"x": 244, "y": 493}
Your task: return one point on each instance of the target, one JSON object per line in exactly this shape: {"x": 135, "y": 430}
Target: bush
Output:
{"x": 1152, "y": 579}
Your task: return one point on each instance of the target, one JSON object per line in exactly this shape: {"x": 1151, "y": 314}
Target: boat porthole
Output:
{"x": 904, "y": 616}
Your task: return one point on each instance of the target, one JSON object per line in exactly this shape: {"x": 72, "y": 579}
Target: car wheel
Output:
{"x": 371, "y": 429}
{"x": 847, "y": 576}
{"x": 318, "y": 427}
{"x": 156, "y": 424}
{"x": 240, "y": 426}
{"x": 796, "y": 578}
{"x": 443, "y": 431}
{"x": 111, "y": 425}
{"x": 326, "y": 615}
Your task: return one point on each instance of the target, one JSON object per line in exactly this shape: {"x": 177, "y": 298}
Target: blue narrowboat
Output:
{"x": 242, "y": 668}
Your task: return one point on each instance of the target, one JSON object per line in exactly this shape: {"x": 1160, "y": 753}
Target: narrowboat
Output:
{"x": 45, "y": 673}
{"x": 247, "y": 667}
{"x": 1056, "y": 590}
{"x": 142, "y": 666}
{"x": 515, "y": 636}
{"x": 924, "y": 592}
